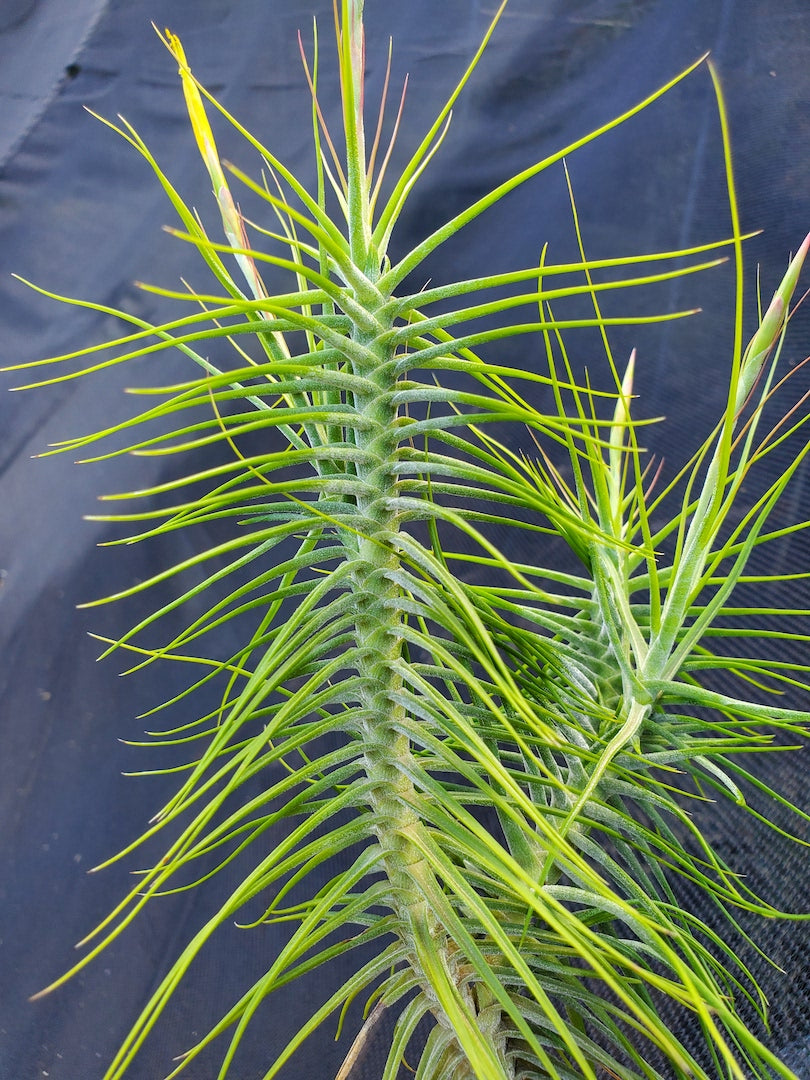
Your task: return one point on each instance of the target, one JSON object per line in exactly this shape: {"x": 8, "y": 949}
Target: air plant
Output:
{"x": 507, "y": 752}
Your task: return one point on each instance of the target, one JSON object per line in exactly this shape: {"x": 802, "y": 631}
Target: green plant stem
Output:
{"x": 387, "y": 754}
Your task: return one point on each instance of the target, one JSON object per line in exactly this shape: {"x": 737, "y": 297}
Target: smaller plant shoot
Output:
{"x": 510, "y": 754}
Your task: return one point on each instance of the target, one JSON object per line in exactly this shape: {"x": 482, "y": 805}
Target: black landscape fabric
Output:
{"x": 81, "y": 215}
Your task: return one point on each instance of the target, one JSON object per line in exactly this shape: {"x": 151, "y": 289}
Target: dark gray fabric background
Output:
{"x": 80, "y": 214}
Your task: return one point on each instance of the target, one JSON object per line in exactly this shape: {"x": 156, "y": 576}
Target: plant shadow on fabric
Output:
{"x": 510, "y": 766}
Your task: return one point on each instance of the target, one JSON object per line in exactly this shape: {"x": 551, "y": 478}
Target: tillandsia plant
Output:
{"x": 509, "y": 766}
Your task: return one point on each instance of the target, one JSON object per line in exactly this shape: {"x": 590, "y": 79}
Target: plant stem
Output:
{"x": 389, "y": 760}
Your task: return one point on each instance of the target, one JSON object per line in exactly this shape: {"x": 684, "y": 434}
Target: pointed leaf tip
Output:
{"x": 774, "y": 318}
{"x": 793, "y": 271}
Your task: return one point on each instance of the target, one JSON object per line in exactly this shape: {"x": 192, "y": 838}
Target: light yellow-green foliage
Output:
{"x": 508, "y": 765}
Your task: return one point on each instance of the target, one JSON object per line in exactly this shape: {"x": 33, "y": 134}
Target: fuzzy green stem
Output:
{"x": 388, "y": 757}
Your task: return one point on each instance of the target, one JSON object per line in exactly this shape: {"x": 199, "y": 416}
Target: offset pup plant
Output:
{"x": 509, "y": 766}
